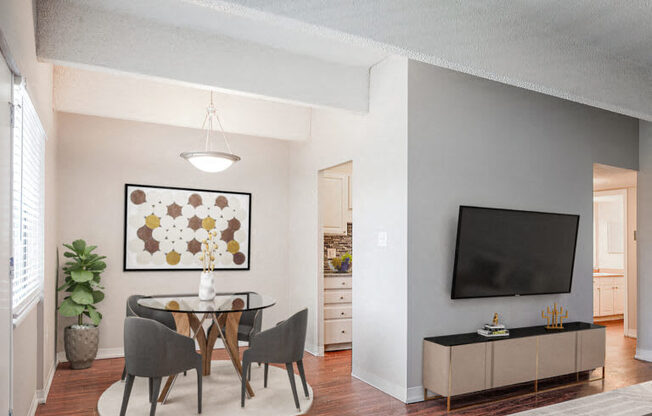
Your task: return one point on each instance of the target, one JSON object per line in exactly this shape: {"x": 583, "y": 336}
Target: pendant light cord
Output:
{"x": 210, "y": 113}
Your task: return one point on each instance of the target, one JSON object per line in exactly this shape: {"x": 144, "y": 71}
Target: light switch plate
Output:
{"x": 382, "y": 239}
{"x": 331, "y": 253}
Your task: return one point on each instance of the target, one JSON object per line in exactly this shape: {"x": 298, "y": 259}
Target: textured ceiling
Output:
{"x": 597, "y": 52}
{"x": 613, "y": 28}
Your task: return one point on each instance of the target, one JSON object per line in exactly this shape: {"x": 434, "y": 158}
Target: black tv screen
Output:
{"x": 503, "y": 252}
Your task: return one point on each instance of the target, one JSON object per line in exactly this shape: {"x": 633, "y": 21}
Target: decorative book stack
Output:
{"x": 494, "y": 330}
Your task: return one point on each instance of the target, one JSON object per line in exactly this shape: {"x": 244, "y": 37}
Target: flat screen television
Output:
{"x": 503, "y": 252}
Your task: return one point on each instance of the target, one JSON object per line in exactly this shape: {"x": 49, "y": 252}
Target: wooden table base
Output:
{"x": 188, "y": 323}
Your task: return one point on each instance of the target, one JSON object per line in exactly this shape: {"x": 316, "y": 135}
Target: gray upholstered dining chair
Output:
{"x": 282, "y": 344}
{"x": 134, "y": 309}
{"x": 153, "y": 350}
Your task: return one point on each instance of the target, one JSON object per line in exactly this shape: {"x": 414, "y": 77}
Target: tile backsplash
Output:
{"x": 342, "y": 243}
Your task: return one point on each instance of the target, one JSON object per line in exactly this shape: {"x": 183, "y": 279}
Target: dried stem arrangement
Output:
{"x": 208, "y": 249}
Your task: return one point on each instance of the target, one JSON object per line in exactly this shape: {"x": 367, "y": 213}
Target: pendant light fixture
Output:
{"x": 210, "y": 160}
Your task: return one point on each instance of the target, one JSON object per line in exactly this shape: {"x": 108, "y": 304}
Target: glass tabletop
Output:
{"x": 223, "y": 303}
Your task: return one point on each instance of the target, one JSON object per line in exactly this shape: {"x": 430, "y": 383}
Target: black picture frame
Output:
{"x": 182, "y": 269}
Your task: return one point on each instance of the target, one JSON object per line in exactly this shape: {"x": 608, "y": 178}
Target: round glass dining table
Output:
{"x": 223, "y": 303}
{"x": 224, "y": 310}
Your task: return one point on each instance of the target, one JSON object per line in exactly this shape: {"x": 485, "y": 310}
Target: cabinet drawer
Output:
{"x": 337, "y": 283}
{"x": 337, "y": 331}
{"x": 337, "y": 312}
{"x": 337, "y": 296}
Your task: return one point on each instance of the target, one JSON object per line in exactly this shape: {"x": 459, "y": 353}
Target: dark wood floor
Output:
{"x": 337, "y": 393}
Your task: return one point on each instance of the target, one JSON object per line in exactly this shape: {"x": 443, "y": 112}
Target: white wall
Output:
{"x": 376, "y": 143}
{"x": 478, "y": 142}
{"x": 644, "y": 242}
{"x": 34, "y": 338}
{"x": 97, "y": 156}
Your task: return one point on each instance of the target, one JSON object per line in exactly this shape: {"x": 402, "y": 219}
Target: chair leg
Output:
{"x": 266, "y": 371}
{"x": 199, "y": 387}
{"x": 288, "y": 366}
{"x": 124, "y": 373}
{"x": 156, "y": 388}
{"x": 303, "y": 377}
{"x": 129, "y": 382}
{"x": 245, "y": 368}
{"x": 249, "y": 373}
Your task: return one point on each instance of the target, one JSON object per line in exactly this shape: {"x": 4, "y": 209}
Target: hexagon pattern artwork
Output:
{"x": 164, "y": 228}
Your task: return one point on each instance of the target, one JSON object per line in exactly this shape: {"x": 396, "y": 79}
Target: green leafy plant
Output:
{"x": 82, "y": 282}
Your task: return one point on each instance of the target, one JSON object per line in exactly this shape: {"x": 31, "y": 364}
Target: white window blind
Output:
{"x": 27, "y": 211}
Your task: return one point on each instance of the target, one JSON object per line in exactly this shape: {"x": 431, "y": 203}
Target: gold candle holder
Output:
{"x": 557, "y": 317}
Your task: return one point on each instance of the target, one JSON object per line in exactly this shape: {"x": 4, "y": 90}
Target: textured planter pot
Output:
{"x": 81, "y": 342}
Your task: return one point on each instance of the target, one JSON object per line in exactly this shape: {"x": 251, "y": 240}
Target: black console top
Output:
{"x": 529, "y": 331}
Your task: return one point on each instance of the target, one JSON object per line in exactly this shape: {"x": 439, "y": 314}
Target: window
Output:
{"x": 27, "y": 205}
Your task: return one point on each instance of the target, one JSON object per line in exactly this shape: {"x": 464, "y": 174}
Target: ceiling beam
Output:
{"x": 134, "y": 98}
{"x": 73, "y": 33}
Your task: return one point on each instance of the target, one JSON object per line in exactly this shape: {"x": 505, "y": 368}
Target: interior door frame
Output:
{"x": 623, "y": 193}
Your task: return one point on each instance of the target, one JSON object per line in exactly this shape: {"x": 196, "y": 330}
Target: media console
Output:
{"x": 467, "y": 363}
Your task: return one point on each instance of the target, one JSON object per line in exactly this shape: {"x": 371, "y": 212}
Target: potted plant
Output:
{"x": 82, "y": 283}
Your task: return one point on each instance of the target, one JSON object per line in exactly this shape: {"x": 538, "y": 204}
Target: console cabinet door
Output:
{"x": 556, "y": 354}
{"x": 590, "y": 349}
{"x": 514, "y": 361}
{"x": 468, "y": 368}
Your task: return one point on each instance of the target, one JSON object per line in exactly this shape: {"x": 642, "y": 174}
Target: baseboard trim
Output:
{"x": 631, "y": 333}
{"x": 313, "y": 350}
{"x": 381, "y": 384}
{"x": 34, "y": 405}
{"x": 42, "y": 395}
{"x": 643, "y": 355}
{"x": 102, "y": 354}
{"x": 414, "y": 394}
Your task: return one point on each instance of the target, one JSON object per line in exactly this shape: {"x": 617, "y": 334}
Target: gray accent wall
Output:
{"x": 477, "y": 142}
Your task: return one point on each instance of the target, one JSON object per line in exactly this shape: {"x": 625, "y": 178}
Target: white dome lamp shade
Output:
{"x": 210, "y": 160}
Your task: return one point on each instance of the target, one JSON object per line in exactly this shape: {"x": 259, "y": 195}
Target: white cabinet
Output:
{"x": 337, "y": 311}
{"x": 619, "y": 298}
{"x": 335, "y": 202}
{"x": 606, "y": 299}
{"x": 596, "y": 298}
{"x": 608, "y": 296}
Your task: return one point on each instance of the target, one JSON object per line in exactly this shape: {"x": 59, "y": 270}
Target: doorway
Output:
{"x": 614, "y": 247}
{"x": 336, "y": 258}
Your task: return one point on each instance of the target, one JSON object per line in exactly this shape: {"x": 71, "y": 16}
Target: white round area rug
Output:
{"x": 221, "y": 395}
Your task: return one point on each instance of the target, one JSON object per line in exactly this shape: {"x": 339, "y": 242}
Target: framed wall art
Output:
{"x": 165, "y": 226}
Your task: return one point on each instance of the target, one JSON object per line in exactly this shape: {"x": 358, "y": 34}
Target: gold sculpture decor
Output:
{"x": 556, "y": 315}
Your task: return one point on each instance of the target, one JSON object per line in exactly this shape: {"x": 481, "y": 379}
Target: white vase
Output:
{"x": 206, "y": 286}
